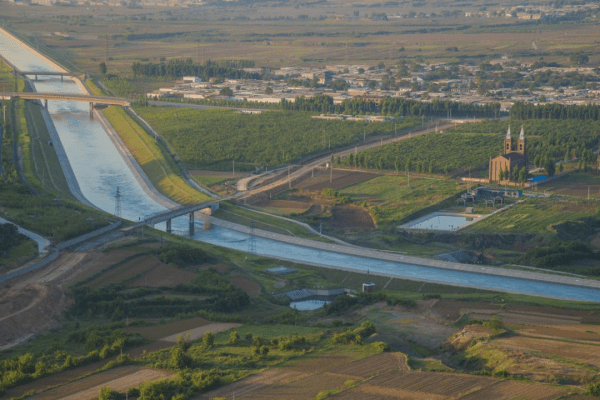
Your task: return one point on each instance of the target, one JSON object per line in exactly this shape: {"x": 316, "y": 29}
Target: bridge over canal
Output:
{"x": 67, "y": 97}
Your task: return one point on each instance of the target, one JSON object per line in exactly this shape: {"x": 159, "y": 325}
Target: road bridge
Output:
{"x": 67, "y": 97}
{"x": 47, "y": 73}
{"x": 168, "y": 215}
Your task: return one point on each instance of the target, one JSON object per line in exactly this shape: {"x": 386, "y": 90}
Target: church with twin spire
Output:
{"x": 511, "y": 159}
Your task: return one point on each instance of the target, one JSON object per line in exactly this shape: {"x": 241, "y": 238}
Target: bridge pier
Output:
{"x": 61, "y": 78}
{"x": 36, "y": 77}
{"x": 45, "y": 102}
{"x": 168, "y": 226}
{"x": 192, "y": 223}
{"x": 91, "y": 110}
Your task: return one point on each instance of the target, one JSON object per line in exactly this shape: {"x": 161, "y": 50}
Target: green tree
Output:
{"x": 106, "y": 393}
{"x": 102, "y": 67}
{"x": 561, "y": 167}
{"x": 226, "y": 92}
{"x": 233, "y": 337}
{"x": 208, "y": 340}
{"x": 550, "y": 167}
{"x": 269, "y": 90}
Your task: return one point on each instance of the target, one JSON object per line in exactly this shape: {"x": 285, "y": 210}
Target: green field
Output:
{"x": 205, "y": 139}
{"x": 392, "y": 201}
{"x": 534, "y": 216}
{"x": 160, "y": 169}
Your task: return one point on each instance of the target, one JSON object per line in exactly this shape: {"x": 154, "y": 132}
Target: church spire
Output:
{"x": 522, "y": 134}
{"x": 508, "y": 133}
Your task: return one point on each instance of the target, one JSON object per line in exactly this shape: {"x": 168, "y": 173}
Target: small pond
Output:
{"x": 441, "y": 222}
{"x": 307, "y": 305}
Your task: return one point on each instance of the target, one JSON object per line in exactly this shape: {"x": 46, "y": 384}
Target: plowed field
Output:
{"x": 156, "y": 332}
{"x": 118, "y": 378}
{"x": 247, "y": 285}
{"x": 582, "y": 353}
{"x": 163, "y": 275}
{"x": 147, "y": 270}
{"x": 516, "y": 390}
{"x": 350, "y": 217}
{"x": 196, "y": 333}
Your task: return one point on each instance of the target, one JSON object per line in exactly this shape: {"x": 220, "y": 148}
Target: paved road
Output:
{"x": 340, "y": 153}
{"x": 42, "y": 242}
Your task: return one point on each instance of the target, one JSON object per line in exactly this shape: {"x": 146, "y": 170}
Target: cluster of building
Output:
{"x": 343, "y": 82}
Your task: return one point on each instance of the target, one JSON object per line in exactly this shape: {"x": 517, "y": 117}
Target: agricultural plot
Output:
{"x": 128, "y": 270}
{"x": 118, "y": 379}
{"x": 120, "y": 384}
{"x": 395, "y": 201}
{"x": 336, "y": 179}
{"x": 198, "y": 332}
{"x": 534, "y": 216}
{"x": 307, "y": 379}
{"x": 162, "y": 275}
{"x": 576, "y": 184}
{"x": 156, "y": 332}
{"x": 510, "y": 390}
{"x": 247, "y": 285}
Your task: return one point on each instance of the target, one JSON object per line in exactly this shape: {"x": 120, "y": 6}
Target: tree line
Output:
{"x": 392, "y": 106}
{"x": 588, "y": 112}
{"x": 179, "y": 68}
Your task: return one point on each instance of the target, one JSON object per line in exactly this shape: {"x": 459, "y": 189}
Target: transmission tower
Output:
{"x": 252, "y": 239}
{"x": 118, "y": 203}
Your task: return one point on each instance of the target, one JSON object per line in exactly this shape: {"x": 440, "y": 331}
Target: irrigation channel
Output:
{"x": 95, "y": 169}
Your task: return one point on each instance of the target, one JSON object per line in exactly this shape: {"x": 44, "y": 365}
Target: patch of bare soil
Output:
{"x": 350, "y": 216}
{"x": 156, "y": 332}
{"x": 163, "y": 275}
{"x": 400, "y": 324}
{"x": 247, "y": 285}
{"x": 462, "y": 340}
{"x": 30, "y": 309}
{"x": 196, "y": 333}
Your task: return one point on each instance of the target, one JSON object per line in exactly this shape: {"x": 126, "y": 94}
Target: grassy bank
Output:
{"x": 162, "y": 171}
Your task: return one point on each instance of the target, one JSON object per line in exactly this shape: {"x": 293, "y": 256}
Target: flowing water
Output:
{"x": 99, "y": 169}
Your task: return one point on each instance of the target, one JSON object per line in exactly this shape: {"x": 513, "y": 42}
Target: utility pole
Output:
{"x": 395, "y": 130}
{"x": 106, "y": 48}
{"x": 233, "y": 168}
{"x": 331, "y": 173}
{"x": 364, "y": 135}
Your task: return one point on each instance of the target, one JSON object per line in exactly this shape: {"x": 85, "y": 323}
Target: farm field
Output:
{"x": 160, "y": 168}
{"x": 119, "y": 379}
{"x": 198, "y": 332}
{"x": 340, "y": 178}
{"x": 376, "y": 377}
{"x": 576, "y": 184}
{"x": 67, "y": 376}
{"x": 534, "y": 216}
{"x": 392, "y": 201}
{"x": 156, "y": 332}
